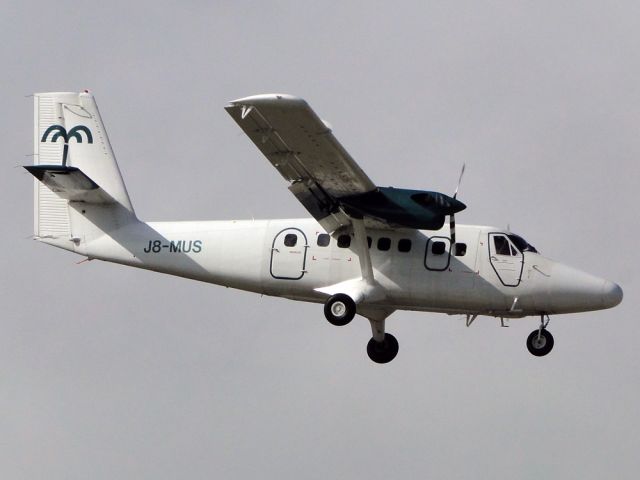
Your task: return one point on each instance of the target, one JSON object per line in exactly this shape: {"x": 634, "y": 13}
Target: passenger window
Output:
{"x": 369, "y": 241}
{"x": 323, "y": 240}
{"x": 438, "y": 248}
{"x": 404, "y": 245}
{"x": 344, "y": 241}
{"x": 502, "y": 245}
{"x": 514, "y": 252}
{"x": 290, "y": 240}
{"x": 384, "y": 244}
{"x": 460, "y": 249}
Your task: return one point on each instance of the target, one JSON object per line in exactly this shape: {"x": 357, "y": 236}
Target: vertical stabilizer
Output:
{"x": 68, "y": 132}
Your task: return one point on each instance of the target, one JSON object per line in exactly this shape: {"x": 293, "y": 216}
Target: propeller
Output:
{"x": 452, "y": 217}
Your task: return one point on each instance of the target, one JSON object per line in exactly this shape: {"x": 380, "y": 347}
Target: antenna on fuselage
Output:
{"x": 452, "y": 218}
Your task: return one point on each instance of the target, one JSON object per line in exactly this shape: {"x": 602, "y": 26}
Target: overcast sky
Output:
{"x": 108, "y": 372}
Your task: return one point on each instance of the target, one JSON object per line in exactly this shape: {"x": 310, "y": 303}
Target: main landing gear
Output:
{"x": 384, "y": 351}
{"x": 540, "y": 342}
{"x": 340, "y": 310}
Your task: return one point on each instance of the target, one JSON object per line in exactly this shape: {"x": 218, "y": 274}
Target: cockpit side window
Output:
{"x": 521, "y": 243}
{"x": 501, "y": 245}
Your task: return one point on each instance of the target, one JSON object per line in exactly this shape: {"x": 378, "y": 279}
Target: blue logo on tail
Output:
{"x": 59, "y": 131}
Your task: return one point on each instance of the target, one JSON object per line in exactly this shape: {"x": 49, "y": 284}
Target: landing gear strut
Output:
{"x": 340, "y": 309}
{"x": 540, "y": 341}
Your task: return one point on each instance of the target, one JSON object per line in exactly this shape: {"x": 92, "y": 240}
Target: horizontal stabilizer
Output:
{"x": 70, "y": 183}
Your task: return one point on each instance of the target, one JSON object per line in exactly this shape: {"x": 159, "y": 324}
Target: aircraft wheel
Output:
{"x": 340, "y": 309}
{"x": 385, "y": 351}
{"x": 540, "y": 345}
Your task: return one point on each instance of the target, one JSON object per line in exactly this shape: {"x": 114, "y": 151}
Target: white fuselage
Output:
{"x": 263, "y": 256}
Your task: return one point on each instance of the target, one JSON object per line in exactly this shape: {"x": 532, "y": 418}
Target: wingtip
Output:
{"x": 266, "y": 99}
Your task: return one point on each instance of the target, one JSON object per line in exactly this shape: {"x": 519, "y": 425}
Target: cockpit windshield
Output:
{"x": 521, "y": 243}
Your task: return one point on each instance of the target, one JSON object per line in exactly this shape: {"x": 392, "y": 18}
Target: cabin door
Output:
{"x": 438, "y": 253}
{"x": 289, "y": 254}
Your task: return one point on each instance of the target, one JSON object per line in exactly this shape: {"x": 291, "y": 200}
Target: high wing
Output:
{"x": 323, "y": 176}
{"x": 305, "y": 152}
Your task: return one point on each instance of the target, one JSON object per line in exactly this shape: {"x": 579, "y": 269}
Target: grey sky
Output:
{"x": 108, "y": 372}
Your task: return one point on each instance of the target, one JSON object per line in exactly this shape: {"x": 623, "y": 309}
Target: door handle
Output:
{"x": 494, "y": 258}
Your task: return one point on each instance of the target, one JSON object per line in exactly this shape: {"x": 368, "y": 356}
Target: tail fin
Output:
{"x": 74, "y": 167}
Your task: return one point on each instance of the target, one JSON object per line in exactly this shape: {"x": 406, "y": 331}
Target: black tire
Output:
{"x": 340, "y": 309}
{"x": 385, "y": 351}
{"x": 540, "y": 347}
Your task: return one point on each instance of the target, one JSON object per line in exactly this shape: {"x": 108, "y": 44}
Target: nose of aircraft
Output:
{"x": 611, "y": 294}
{"x": 572, "y": 290}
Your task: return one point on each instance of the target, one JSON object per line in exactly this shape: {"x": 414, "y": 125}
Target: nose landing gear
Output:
{"x": 540, "y": 341}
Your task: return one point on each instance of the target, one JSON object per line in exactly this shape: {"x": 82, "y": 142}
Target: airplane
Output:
{"x": 365, "y": 249}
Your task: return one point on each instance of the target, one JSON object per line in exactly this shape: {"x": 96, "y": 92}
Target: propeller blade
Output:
{"x": 452, "y": 229}
{"x": 452, "y": 217}
{"x": 455, "y": 194}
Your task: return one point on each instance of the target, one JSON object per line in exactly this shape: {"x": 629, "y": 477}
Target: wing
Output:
{"x": 324, "y": 177}
{"x": 305, "y": 152}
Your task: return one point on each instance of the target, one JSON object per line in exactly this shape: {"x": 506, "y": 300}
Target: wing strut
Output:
{"x": 364, "y": 254}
